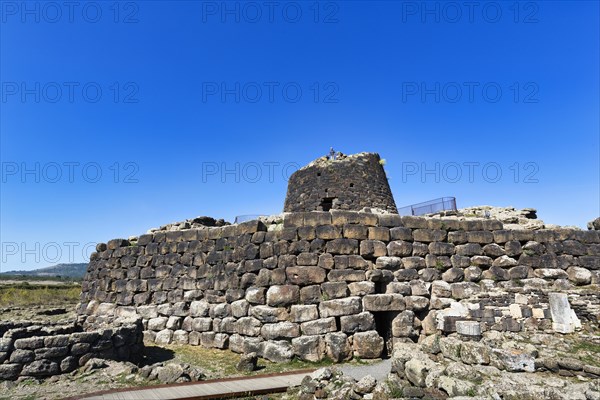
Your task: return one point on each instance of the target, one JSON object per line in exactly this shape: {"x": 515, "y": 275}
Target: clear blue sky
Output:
{"x": 170, "y": 94}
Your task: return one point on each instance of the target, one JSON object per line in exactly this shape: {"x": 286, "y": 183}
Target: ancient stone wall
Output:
{"x": 30, "y": 350}
{"x": 349, "y": 183}
{"x": 341, "y": 284}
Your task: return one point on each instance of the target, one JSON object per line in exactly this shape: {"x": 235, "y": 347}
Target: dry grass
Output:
{"x": 24, "y": 294}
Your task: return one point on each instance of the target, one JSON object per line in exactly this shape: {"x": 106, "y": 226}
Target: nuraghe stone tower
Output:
{"x": 346, "y": 183}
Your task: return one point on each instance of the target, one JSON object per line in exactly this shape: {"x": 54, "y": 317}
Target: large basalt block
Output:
{"x": 342, "y": 246}
{"x": 41, "y": 368}
{"x": 283, "y": 295}
{"x": 367, "y": 344}
{"x": 328, "y": 232}
{"x": 248, "y": 326}
{"x": 337, "y": 346}
{"x": 346, "y": 275}
{"x": 319, "y": 326}
{"x": 280, "y": 330}
{"x": 400, "y": 248}
{"x": 277, "y": 350}
{"x": 357, "y": 323}
{"x": 267, "y": 314}
{"x": 372, "y": 248}
{"x": 339, "y": 307}
{"x": 305, "y": 275}
{"x": 303, "y": 313}
{"x": 309, "y": 348}
{"x": 429, "y": 235}
{"x": 384, "y": 302}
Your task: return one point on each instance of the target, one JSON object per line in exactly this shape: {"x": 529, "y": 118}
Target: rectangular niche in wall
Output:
{"x": 327, "y": 203}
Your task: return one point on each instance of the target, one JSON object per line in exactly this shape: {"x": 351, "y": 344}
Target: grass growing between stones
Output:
{"x": 23, "y": 294}
{"x": 588, "y": 352}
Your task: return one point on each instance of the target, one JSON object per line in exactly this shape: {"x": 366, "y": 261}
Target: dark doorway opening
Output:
{"x": 383, "y": 325}
{"x": 327, "y": 203}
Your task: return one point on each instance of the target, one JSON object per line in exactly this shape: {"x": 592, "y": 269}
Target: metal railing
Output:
{"x": 244, "y": 218}
{"x": 429, "y": 207}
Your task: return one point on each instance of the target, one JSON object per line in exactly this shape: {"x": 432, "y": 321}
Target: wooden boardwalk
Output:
{"x": 210, "y": 389}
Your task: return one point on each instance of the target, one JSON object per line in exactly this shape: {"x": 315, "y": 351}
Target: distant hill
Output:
{"x": 73, "y": 270}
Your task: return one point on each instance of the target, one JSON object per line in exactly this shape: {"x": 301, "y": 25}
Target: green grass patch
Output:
{"x": 24, "y": 294}
{"x": 222, "y": 363}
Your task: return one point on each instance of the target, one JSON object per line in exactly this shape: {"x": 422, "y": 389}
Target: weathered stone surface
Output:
{"x": 416, "y": 370}
{"x": 469, "y": 249}
{"x": 450, "y": 348}
{"x": 403, "y": 324}
{"x": 283, "y": 295}
{"x": 248, "y": 326}
{"x": 493, "y": 250}
{"x": 247, "y": 362}
{"x": 199, "y": 308}
{"x": 464, "y": 290}
{"x": 310, "y": 294}
{"x": 401, "y": 233}
{"x": 361, "y": 288}
{"x": 550, "y": 273}
{"x": 339, "y": 307}
{"x": 453, "y": 275}
{"x": 41, "y": 368}
{"x": 277, "y": 350}
{"x": 480, "y": 237}
{"x": 372, "y": 248}
{"x": 157, "y": 324}
{"x": 201, "y": 324}
{"x": 365, "y": 385}
{"x": 379, "y": 233}
{"x": 303, "y": 313}
{"x": 579, "y": 276}
{"x": 342, "y": 246}
{"x": 267, "y": 314}
{"x": 10, "y": 371}
{"x": 319, "y": 326}
{"x": 399, "y": 248}
{"x": 305, "y": 275}
{"x": 504, "y": 262}
{"x": 429, "y": 235}
{"x": 29, "y": 343}
{"x": 357, "y": 323}
{"x": 337, "y": 347}
{"x": 309, "y": 348}
{"x": 512, "y": 360}
{"x": 383, "y": 302}
{"x": 280, "y": 330}
{"x": 416, "y": 303}
{"x": 441, "y": 289}
{"x": 334, "y": 290}
{"x": 441, "y": 248}
{"x": 496, "y": 274}
{"x": 163, "y": 337}
{"x": 355, "y": 231}
{"x": 367, "y": 344}
{"x": 391, "y": 263}
{"x": 352, "y": 275}
{"x": 328, "y": 232}
{"x": 239, "y": 308}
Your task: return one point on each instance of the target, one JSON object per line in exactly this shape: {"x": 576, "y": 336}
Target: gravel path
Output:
{"x": 379, "y": 370}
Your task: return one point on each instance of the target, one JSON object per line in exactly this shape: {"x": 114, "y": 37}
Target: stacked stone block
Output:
{"x": 28, "y": 350}
{"x": 348, "y": 183}
{"x": 337, "y": 284}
